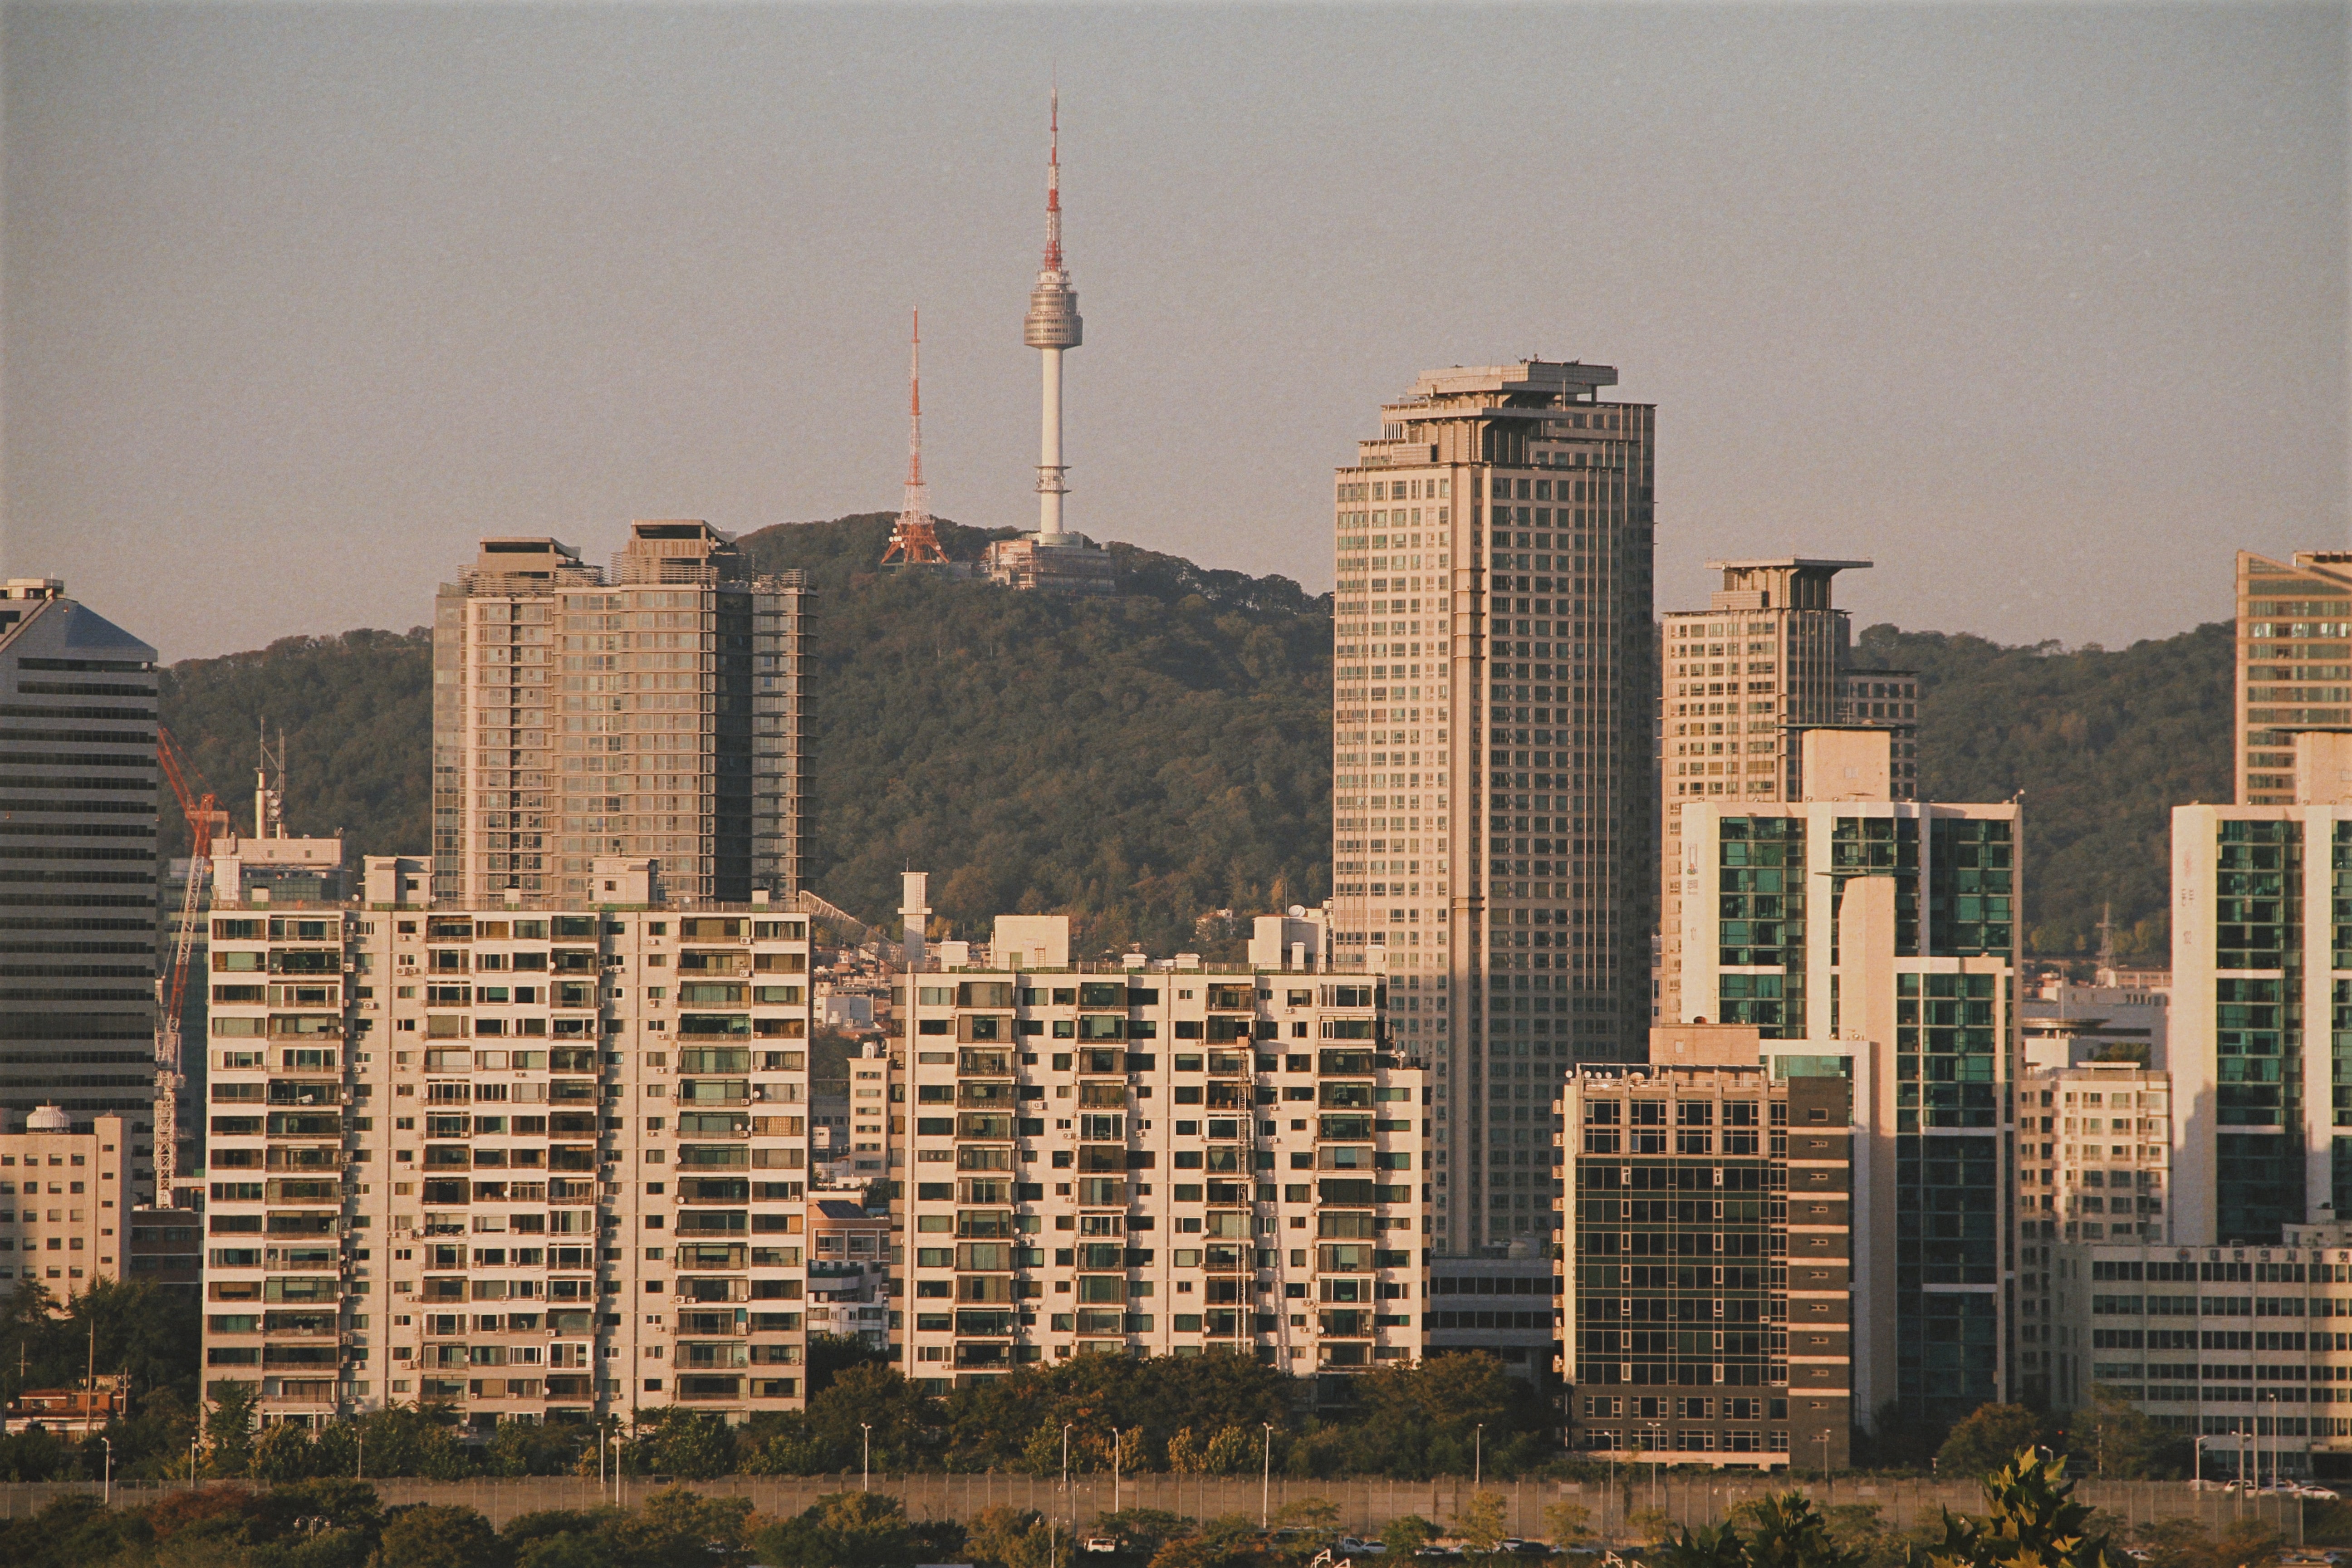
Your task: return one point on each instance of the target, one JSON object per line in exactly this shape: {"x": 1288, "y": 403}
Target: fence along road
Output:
{"x": 1364, "y": 1505}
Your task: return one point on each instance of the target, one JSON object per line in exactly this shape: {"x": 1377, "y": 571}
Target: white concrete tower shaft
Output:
{"x": 1053, "y": 325}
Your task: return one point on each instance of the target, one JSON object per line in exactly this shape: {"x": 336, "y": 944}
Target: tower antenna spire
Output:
{"x": 1053, "y": 326}
{"x": 915, "y": 541}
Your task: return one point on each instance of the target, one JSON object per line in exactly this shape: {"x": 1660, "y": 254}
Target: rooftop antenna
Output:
{"x": 269, "y": 798}
{"x": 915, "y": 541}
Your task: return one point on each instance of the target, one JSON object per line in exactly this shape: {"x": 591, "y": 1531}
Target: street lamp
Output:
{"x": 1114, "y": 1470}
{"x": 1657, "y": 1464}
{"x": 358, "y": 1464}
{"x": 109, "y": 1470}
{"x": 868, "y": 1461}
{"x": 1826, "y": 1483}
{"x": 1478, "y": 1454}
{"x": 1266, "y": 1477}
{"x": 191, "y": 1462}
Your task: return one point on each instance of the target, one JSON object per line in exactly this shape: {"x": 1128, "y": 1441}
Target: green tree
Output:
{"x": 1784, "y": 1531}
{"x": 2112, "y": 1437}
{"x": 1143, "y": 1530}
{"x": 1568, "y": 1523}
{"x": 433, "y": 1535}
{"x": 696, "y": 1444}
{"x": 679, "y": 1528}
{"x": 1986, "y": 1439}
{"x": 228, "y": 1428}
{"x": 283, "y": 1454}
{"x": 1483, "y": 1522}
{"x": 2030, "y": 1523}
{"x": 1407, "y": 1533}
{"x": 562, "y": 1538}
{"x": 1718, "y": 1548}
{"x": 844, "y": 1530}
{"x": 1008, "y": 1537}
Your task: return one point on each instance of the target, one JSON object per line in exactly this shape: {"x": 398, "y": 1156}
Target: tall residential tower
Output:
{"x": 2294, "y": 664}
{"x": 657, "y": 714}
{"x": 1768, "y": 657}
{"x": 1493, "y": 763}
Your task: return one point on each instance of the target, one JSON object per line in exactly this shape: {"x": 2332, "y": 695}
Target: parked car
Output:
{"x": 1520, "y": 1548}
{"x": 2320, "y": 1494}
{"x": 1101, "y": 1543}
{"x": 1356, "y": 1546}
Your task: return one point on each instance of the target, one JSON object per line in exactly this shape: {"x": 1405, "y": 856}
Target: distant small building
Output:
{"x": 850, "y": 1272}
{"x": 1069, "y": 563}
{"x": 64, "y": 1199}
{"x": 67, "y": 1411}
{"x": 167, "y": 1250}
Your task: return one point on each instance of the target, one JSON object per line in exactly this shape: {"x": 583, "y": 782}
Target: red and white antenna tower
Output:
{"x": 915, "y": 542}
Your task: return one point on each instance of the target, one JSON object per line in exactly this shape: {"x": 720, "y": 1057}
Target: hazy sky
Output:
{"x": 2042, "y": 309}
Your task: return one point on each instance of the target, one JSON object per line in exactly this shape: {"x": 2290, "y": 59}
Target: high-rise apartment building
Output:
{"x": 538, "y": 1161}
{"x": 2094, "y": 1163}
{"x": 1770, "y": 657}
{"x": 1708, "y": 1213}
{"x": 657, "y": 714}
{"x": 2261, "y": 1046}
{"x": 1851, "y": 915}
{"x": 1158, "y": 1159}
{"x": 1492, "y": 758}
{"x": 2294, "y": 664}
{"x": 78, "y": 866}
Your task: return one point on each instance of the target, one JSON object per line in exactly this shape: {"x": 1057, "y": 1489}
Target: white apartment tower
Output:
{"x": 1493, "y": 765}
{"x": 2261, "y": 1027}
{"x": 1158, "y": 1159}
{"x": 656, "y": 712}
{"x": 540, "y": 1162}
{"x": 1768, "y": 657}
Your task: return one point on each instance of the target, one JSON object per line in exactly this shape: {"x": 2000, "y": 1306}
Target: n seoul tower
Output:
{"x": 1053, "y": 326}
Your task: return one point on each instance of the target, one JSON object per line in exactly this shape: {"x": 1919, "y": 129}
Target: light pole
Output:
{"x": 1114, "y": 1470}
{"x": 1657, "y": 1464}
{"x": 868, "y": 1440}
{"x": 358, "y": 1464}
{"x": 109, "y": 1497}
{"x": 1266, "y": 1477}
{"x": 1477, "y": 1454}
{"x": 1826, "y": 1483}
{"x": 191, "y": 1462}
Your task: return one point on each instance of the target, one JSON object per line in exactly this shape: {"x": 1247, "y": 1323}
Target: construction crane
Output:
{"x": 204, "y": 817}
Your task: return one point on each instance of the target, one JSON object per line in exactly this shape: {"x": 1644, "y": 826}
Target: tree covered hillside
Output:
{"x": 1135, "y": 760}
{"x": 1144, "y": 760}
{"x": 2101, "y": 744}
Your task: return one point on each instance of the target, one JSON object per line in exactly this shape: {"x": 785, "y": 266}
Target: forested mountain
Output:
{"x": 1145, "y": 760}
{"x": 2102, "y": 745}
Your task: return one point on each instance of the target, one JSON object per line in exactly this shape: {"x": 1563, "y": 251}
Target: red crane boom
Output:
{"x": 204, "y": 817}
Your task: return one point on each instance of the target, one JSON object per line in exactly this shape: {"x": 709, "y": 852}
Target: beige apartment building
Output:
{"x": 2094, "y": 1164}
{"x": 2293, "y": 664}
{"x": 541, "y": 1161}
{"x": 65, "y": 1202}
{"x": 1770, "y": 657}
{"x": 1158, "y": 1158}
{"x": 1492, "y": 765}
{"x": 653, "y": 711}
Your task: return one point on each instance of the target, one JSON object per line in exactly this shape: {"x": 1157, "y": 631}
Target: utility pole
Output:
{"x": 1266, "y": 1478}
{"x": 862, "y": 1426}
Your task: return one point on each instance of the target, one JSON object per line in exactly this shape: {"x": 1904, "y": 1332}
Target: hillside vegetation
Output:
{"x": 1144, "y": 761}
